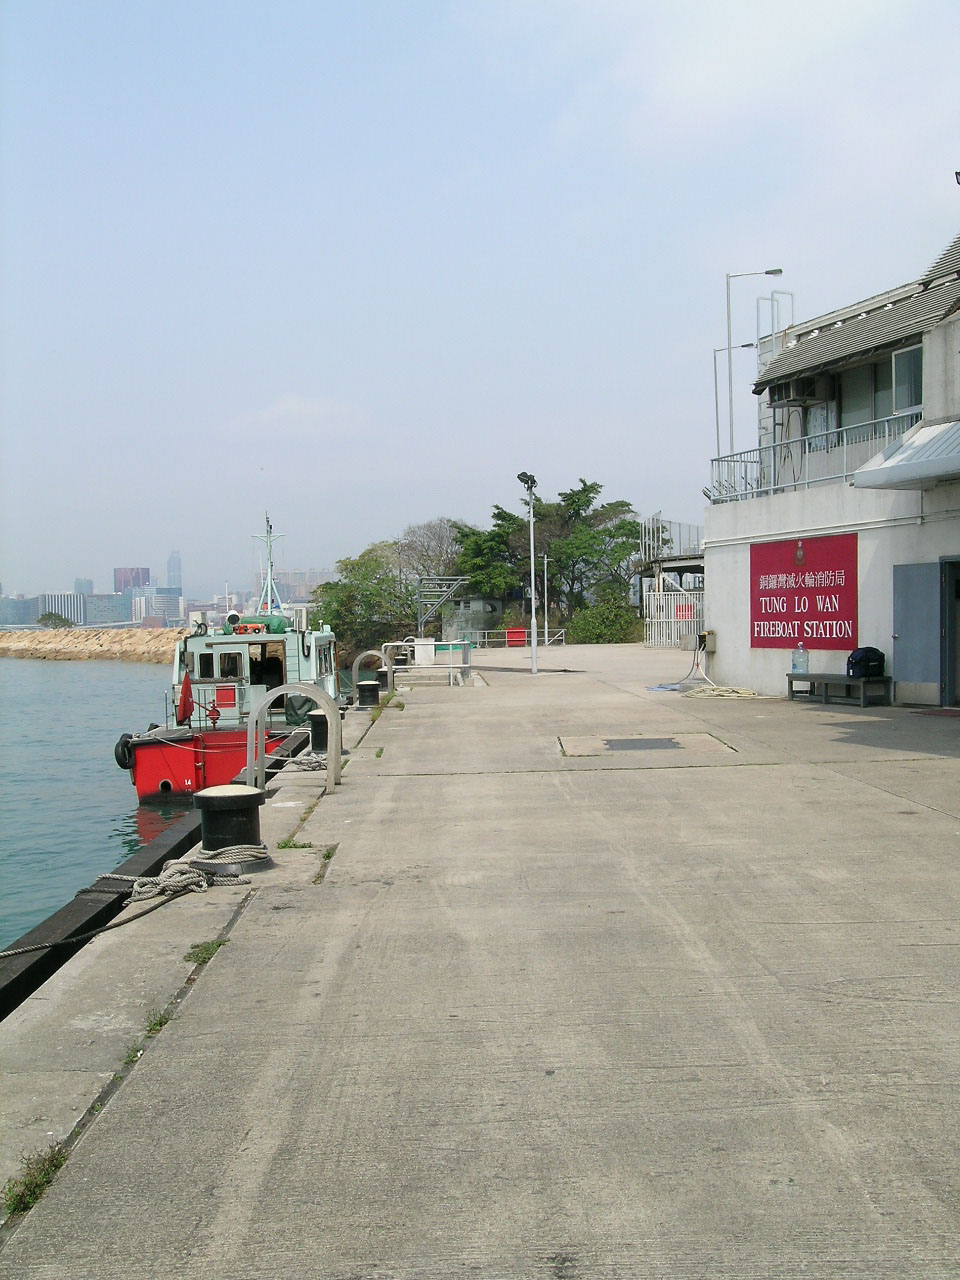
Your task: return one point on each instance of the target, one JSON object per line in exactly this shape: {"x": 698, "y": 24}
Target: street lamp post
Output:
{"x": 737, "y": 275}
{"x": 546, "y": 606}
{"x": 716, "y": 389}
{"x": 529, "y": 482}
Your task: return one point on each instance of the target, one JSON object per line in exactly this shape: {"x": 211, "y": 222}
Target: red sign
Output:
{"x": 804, "y": 592}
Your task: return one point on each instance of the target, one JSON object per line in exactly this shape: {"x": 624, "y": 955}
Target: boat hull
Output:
{"x": 178, "y": 764}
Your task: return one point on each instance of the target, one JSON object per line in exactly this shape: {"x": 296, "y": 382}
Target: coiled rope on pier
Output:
{"x": 182, "y": 875}
{"x": 176, "y": 877}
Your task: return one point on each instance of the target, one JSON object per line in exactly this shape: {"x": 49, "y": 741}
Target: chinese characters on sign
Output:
{"x": 804, "y": 592}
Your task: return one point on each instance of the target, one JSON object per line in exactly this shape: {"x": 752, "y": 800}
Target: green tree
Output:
{"x": 588, "y": 544}
{"x": 367, "y": 605}
{"x": 54, "y": 620}
{"x": 609, "y": 620}
{"x": 591, "y": 543}
{"x": 493, "y": 559}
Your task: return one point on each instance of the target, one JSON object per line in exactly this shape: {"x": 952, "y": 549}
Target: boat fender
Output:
{"x": 123, "y": 752}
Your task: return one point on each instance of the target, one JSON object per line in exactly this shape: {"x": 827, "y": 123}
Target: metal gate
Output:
{"x": 669, "y": 615}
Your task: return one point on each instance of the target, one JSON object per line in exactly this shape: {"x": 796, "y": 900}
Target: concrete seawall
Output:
{"x": 79, "y": 644}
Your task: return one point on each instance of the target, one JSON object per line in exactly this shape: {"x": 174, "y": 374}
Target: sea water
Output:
{"x": 67, "y": 812}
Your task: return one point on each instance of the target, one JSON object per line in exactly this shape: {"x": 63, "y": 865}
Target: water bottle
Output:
{"x": 801, "y": 661}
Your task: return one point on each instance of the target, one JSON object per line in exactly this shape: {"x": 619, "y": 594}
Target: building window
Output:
{"x": 908, "y": 379}
{"x": 872, "y": 392}
{"x": 856, "y": 395}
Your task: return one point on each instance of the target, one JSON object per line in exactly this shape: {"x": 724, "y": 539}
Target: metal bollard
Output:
{"x": 229, "y": 815}
{"x": 319, "y": 730}
{"x": 368, "y": 694}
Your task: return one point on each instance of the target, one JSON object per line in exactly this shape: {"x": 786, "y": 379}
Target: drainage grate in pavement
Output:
{"x": 576, "y": 745}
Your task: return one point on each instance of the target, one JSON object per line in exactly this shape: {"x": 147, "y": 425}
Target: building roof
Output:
{"x": 948, "y": 264}
{"x": 927, "y": 455}
{"x": 882, "y": 322}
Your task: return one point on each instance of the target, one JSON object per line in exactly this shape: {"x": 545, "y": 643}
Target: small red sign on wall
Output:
{"x": 804, "y": 591}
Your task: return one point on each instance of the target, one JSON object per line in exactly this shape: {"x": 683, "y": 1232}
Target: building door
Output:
{"x": 951, "y": 633}
{"x": 916, "y": 632}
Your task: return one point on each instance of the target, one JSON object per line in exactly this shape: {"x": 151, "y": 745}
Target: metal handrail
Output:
{"x": 823, "y": 458}
{"x": 498, "y": 639}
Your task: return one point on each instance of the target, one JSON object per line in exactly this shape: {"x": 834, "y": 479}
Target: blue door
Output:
{"x": 916, "y": 631}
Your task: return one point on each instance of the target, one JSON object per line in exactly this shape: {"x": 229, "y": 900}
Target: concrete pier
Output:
{"x": 599, "y": 981}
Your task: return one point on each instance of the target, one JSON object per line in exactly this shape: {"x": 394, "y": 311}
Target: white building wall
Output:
{"x": 941, "y": 372}
{"x": 893, "y": 527}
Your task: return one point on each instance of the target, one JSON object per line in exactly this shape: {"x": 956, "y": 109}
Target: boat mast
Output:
{"x": 270, "y": 601}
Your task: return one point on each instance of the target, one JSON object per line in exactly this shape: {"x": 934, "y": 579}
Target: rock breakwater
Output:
{"x": 79, "y": 644}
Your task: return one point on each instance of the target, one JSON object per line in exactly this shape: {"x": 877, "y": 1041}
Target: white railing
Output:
{"x": 824, "y": 458}
{"x": 660, "y": 539}
{"x": 670, "y": 615}
{"x": 511, "y": 637}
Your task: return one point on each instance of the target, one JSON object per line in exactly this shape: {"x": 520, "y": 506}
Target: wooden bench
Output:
{"x": 821, "y": 682}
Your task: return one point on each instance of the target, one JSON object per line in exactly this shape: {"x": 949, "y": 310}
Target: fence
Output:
{"x": 669, "y": 615}
{"x": 510, "y": 636}
{"x": 826, "y": 457}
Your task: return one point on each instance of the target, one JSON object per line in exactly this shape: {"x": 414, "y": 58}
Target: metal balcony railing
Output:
{"x": 825, "y": 458}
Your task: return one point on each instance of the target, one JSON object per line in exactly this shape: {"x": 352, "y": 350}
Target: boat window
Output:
{"x": 231, "y": 666}
{"x": 257, "y": 653}
{"x": 206, "y": 666}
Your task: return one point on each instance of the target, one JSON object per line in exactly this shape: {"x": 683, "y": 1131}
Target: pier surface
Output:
{"x": 600, "y": 981}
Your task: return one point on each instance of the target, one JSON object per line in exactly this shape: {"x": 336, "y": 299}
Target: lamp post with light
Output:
{"x": 716, "y": 389}
{"x": 738, "y": 275}
{"x": 529, "y": 482}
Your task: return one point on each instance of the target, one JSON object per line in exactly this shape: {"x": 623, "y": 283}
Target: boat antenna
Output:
{"x": 270, "y": 601}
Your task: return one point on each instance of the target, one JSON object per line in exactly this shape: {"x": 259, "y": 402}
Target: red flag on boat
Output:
{"x": 185, "y": 703}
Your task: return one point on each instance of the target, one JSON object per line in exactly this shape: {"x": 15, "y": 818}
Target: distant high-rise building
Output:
{"x": 106, "y": 608}
{"x": 83, "y": 586}
{"x": 67, "y": 605}
{"x": 296, "y": 584}
{"x": 19, "y": 610}
{"x": 174, "y": 578}
{"x": 130, "y": 579}
{"x": 158, "y": 604}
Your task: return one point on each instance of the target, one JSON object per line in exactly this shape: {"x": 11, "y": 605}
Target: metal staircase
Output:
{"x": 433, "y": 594}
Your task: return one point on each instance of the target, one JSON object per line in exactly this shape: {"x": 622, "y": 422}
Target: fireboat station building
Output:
{"x": 841, "y": 529}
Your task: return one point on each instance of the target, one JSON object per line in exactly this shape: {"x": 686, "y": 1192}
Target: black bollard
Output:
{"x": 319, "y": 730}
{"x": 229, "y": 815}
{"x": 382, "y": 678}
{"x": 368, "y": 694}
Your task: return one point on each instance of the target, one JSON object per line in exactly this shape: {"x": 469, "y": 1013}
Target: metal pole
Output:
{"x": 533, "y": 597}
{"x": 546, "y": 616}
{"x": 737, "y": 275}
{"x": 529, "y": 482}
{"x": 729, "y": 364}
{"x": 716, "y": 400}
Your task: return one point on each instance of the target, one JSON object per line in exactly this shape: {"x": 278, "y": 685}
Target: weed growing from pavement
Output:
{"x": 22, "y": 1191}
{"x": 156, "y": 1021}
{"x": 201, "y": 952}
{"x": 288, "y": 842}
{"x": 379, "y": 752}
{"x": 133, "y": 1055}
{"x": 328, "y": 853}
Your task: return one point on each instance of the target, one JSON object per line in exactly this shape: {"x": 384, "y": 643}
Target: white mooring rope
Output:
{"x": 178, "y": 876}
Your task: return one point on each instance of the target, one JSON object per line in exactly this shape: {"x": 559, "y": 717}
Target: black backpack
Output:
{"x": 865, "y": 662}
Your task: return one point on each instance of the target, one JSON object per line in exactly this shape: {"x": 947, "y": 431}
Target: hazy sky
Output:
{"x": 361, "y": 263}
